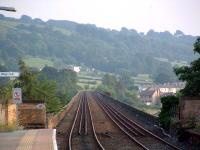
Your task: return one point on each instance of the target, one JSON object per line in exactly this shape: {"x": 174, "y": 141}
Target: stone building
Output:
{"x": 150, "y": 96}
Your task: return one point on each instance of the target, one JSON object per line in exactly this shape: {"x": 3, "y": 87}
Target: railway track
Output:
{"x": 139, "y": 135}
{"x": 109, "y": 134}
{"x": 94, "y": 124}
{"x": 64, "y": 126}
{"x": 82, "y": 134}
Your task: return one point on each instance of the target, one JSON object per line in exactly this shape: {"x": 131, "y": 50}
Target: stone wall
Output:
{"x": 11, "y": 111}
{"x": 194, "y": 139}
{"x": 32, "y": 114}
{"x": 7, "y": 114}
{"x": 2, "y": 115}
{"x": 190, "y": 109}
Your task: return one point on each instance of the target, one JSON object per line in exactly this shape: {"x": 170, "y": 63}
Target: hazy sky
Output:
{"x": 141, "y": 15}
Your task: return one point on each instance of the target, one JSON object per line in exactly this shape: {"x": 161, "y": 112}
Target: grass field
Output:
{"x": 89, "y": 82}
{"x": 37, "y": 62}
{"x": 85, "y": 80}
{"x": 142, "y": 78}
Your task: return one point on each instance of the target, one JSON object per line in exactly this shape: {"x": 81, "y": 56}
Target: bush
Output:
{"x": 165, "y": 115}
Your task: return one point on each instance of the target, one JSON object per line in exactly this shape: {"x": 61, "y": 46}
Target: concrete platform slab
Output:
{"x": 38, "y": 139}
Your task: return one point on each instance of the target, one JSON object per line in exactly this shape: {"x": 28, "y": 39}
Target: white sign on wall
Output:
{"x": 40, "y": 106}
{"x": 17, "y": 95}
{"x": 9, "y": 74}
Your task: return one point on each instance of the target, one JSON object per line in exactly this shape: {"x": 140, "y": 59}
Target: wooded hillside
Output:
{"x": 65, "y": 42}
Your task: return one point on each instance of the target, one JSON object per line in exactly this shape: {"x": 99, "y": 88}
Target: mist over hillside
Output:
{"x": 66, "y": 42}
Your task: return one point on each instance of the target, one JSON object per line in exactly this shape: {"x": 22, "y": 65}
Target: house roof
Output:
{"x": 172, "y": 85}
{"x": 178, "y": 85}
{"x": 147, "y": 92}
{"x": 167, "y": 94}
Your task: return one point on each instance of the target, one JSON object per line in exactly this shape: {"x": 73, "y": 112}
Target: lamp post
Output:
{"x": 8, "y": 9}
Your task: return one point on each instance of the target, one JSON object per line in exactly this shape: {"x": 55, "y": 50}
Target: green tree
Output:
{"x": 65, "y": 82}
{"x": 5, "y": 93}
{"x": 46, "y": 90}
{"x": 162, "y": 78}
{"x": 165, "y": 115}
{"x": 164, "y": 73}
{"x": 127, "y": 81}
{"x": 109, "y": 80}
{"x": 191, "y": 74}
{"x": 35, "y": 89}
{"x": 27, "y": 81}
{"x": 120, "y": 88}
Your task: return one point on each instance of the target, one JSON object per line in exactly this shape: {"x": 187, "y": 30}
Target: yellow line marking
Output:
{"x": 26, "y": 143}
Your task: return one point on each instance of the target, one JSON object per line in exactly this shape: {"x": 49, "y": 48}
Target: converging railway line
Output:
{"x": 82, "y": 134}
{"x": 134, "y": 131}
{"x": 96, "y": 124}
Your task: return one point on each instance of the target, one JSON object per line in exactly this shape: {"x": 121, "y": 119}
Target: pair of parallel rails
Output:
{"x": 83, "y": 127}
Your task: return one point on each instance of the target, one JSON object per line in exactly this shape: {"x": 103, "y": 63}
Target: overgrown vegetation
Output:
{"x": 55, "y": 87}
{"x": 166, "y": 114}
{"x": 191, "y": 74}
{"x": 122, "y": 88}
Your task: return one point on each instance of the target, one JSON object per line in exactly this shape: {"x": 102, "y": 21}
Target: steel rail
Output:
{"x": 81, "y": 120}
{"x": 145, "y": 130}
{"x": 85, "y": 104}
{"x": 121, "y": 128}
{"x": 123, "y": 121}
{"x": 93, "y": 128}
{"x": 71, "y": 131}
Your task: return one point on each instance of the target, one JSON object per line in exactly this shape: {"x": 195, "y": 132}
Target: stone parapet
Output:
{"x": 190, "y": 109}
{"x": 53, "y": 120}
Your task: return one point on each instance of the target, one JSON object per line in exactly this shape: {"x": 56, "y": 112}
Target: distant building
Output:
{"x": 77, "y": 69}
{"x": 73, "y": 68}
{"x": 171, "y": 87}
{"x": 144, "y": 86}
{"x": 150, "y": 96}
{"x": 166, "y": 94}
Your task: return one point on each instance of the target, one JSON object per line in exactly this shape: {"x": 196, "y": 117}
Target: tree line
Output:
{"x": 55, "y": 87}
{"x": 104, "y": 49}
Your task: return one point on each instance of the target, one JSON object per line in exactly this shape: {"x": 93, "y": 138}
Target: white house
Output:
{"x": 77, "y": 69}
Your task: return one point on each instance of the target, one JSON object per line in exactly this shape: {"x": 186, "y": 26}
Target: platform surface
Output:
{"x": 38, "y": 139}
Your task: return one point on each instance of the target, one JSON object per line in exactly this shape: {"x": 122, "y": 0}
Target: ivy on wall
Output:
{"x": 165, "y": 115}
